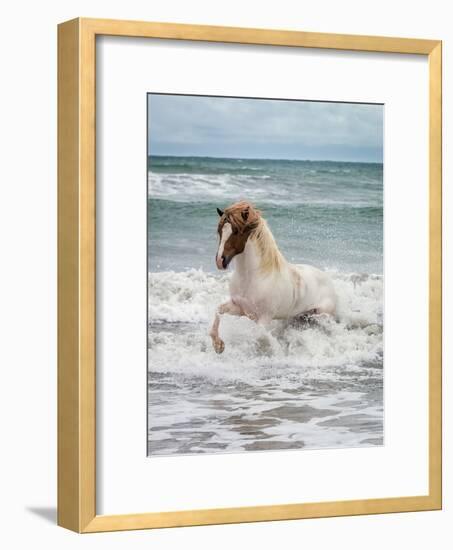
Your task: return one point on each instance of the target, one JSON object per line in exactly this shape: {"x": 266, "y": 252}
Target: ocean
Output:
{"x": 288, "y": 386}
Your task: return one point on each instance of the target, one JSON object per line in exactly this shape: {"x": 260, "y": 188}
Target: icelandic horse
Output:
{"x": 264, "y": 286}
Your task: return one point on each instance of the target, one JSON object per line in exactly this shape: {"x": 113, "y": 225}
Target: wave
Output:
{"x": 182, "y": 306}
{"x": 260, "y": 188}
{"x": 202, "y": 187}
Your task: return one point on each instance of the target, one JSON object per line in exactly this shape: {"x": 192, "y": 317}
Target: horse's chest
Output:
{"x": 241, "y": 285}
{"x": 255, "y": 289}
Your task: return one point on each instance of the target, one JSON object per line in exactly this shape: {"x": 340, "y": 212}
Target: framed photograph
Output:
{"x": 249, "y": 275}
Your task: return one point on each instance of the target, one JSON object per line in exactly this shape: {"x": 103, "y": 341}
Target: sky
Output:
{"x": 184, "y": 125}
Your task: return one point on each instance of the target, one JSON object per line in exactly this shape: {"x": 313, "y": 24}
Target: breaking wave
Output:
{"x": 182, "y": 306}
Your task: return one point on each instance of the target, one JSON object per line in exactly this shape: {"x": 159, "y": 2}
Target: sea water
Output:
{"x": 316, "y": 384}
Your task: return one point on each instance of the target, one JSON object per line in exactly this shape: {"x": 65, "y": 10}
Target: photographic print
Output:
{"x": 265, "y": 274}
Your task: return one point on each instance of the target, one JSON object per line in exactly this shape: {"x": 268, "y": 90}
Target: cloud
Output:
{"x": 237, "y": 127}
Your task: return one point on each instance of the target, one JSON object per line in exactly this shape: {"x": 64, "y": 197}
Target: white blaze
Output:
{"x": 226, "y": 232}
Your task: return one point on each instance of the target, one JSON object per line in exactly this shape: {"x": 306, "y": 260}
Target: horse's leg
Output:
{"x": 246, "y": 307}
{"x": 307, "y": 318}
{"x": 251, "y": 311}
{"x": 227, "y": 307}
{"x": 326, "y": 306}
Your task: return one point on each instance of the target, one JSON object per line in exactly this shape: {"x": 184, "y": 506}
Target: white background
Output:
{"x": 28, "y": 274}
{"x": 130, "y": 482}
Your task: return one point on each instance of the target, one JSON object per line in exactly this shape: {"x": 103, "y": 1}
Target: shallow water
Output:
{"x": 205, "y": 417}
{"x": 294, "y": 384}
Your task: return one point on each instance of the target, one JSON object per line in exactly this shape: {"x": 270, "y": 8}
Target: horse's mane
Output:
{"x": 271, "y": 257}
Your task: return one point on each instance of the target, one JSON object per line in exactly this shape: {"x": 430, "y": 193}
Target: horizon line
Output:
{"x": 268, "y": 158}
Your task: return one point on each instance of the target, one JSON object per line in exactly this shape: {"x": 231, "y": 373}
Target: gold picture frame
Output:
{"x": 77, "y": 264}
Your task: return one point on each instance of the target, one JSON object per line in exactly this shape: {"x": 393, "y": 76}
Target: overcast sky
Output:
{"x": 252, "y": 128}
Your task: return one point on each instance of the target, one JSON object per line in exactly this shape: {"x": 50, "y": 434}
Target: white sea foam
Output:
{"x": 236, "y": 424}
{"x": 182, "y": 305}
{"x": 185, "y": 297}
{"x": 204, "y": 187}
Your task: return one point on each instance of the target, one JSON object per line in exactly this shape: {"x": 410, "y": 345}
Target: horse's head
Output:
{"x": 235, "y": 226}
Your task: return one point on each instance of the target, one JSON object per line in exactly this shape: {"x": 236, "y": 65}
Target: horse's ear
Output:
{"x": 219, "y": 212}
{"x": 245, "y": 214}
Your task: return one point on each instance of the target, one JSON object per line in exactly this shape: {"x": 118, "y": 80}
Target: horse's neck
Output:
{"x": 260, "y": 253}
{"x": 249, "y": 261}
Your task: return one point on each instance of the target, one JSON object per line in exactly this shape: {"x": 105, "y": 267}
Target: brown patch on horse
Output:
{"x": 244, "y": 218}
{"x": 246, "y": 222}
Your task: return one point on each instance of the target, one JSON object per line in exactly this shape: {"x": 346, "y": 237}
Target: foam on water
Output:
{"x": 182, "y": 305}
{"x": 203, "y": 187}
{"x": 291, "y": 385}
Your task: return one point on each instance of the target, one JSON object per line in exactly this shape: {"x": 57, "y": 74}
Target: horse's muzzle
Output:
{"x": 223, "y": 262}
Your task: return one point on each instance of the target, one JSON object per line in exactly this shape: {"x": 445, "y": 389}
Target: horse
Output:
{"x": 264, "y": 285}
